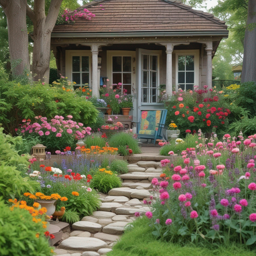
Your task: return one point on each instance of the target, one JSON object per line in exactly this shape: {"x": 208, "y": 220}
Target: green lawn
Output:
{"x": 138, "y": 241}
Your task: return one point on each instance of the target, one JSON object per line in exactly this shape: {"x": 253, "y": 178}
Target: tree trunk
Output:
{"x": 249, "y": 63}
{"x": 15, "y": 12}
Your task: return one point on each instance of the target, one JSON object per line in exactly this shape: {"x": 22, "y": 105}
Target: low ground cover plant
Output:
{"x": 95, "y": 140}
{"x": 119, "y": 166}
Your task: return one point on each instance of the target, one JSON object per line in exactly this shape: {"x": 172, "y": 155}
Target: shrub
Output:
{"x": 20, "y": 235}
{"x": 28, "y": 101}
{"x": 70, "y": 217}
{"x": 98, "y": 123}
{"x": 94, "y": 140}
{"x": 119, "y": 166}
{"x": 123, "y": 139}
{"x": 104, "y": 182}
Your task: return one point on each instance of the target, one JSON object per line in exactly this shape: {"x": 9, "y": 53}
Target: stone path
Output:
{"x": 95, "y": 235}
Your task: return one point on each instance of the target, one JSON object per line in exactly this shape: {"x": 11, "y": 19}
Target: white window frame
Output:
{"x": 80, "y": 53}
{"x": 195, "y": 53}
{"x": 110, "y": 55}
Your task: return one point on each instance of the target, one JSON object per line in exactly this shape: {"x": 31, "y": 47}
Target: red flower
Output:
{"x": 220, "y": 117}
{"x": 199, "y": 113}
{"x": 187, "y": 106}
{"x": 203, "y": 120}
{"x": 208, "y": 122}
{"x": 219, "y": 109}
{"x": 176, "y": 113}
{"x": 208, "y": 115}
{"x": 201, "y": 105}
{"x": 104, "y": 135}
{"x": 183, "y": 115}
{"x": 195, "y": 109}
{"x": 89, "y": 176}
{"x": 188, "y": 131}
{"x": 210, "y": 99}
{"x": 48, "y": 168}
{"x": 174, "y": 107}
{"x": 208, "y": 105}
{"x": 55, "y": 175}
{"x": 52, "y": 236}
{"x": 67, "y": 149}
{"x": 66, "y": 176}
{"x": 42, "y": 166}
{"x": 222, "y": 122}
{"x": 57, "y": 101}
{"x": 216, "y": 98}
{"x": 213, "y": 109}
{"x": 88, "y": 180}
{"x": 206, "y": 99}
{"x": 73, "y": 174}
{"x": 191, "y": 119}
{"x": 46, "y": 233}
{"x": 130, "y": 151}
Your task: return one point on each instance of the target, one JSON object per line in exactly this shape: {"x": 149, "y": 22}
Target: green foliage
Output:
{"x": 12, "y": 184}
{"x": 98, "y": 123}
{"x": 119, "y": 166}
{"x": 139, "y": 241}
{"x": 246, "y": 125}
{"x": 70, "y": 217}
{"x": 28, "y": 101}
{"x": 94, "y": 140}
{"x": 18, "y": 233}
{"x": 53, "y": 74}
{"x": 122, "y": 140}
{"x": 104, "y": 182}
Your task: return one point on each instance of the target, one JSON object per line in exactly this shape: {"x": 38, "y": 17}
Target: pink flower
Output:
{"x": 58, "y": 134}
{"x": 47, "y": 133}
{"x": 168, "y": 222}
{"x": 149, "y": 214}
{"x": 106, "y": 95}
{"x": 193, "y": 215}
{"x": 235, "y": 150}
{"x": 177, "y": 168}
{"x": 243, "y": 202}
{"x": 252, "y": 186}
{"x": 154, "y": 181}
{"x": 247, "y": 174}
{"x": 215, "y": 155}
{"x": 203, "y": 185}
{"x": 164, "y": 162}
{"x": 180, "y": 99}
{"x": 252, "y": 217}
{"x": 188, "y": 196}
{"x": 57, "y": 152}
{"x": 182, "y": 198}
{"x": 54, "y": 129}
{"x": 157, "y": 221}
{"x": 227, "y": 136}
{"x": 219, "y": 144}
{"x": 187, "y": 204}
{"x": 117, "y": 96}
{"x": 250, "y": 165}
{"x": 247, "y": 142}
{"x": 104, "y": 86}
{"x": 69, "y": 131}
{"x": 69, "y": 117}
{"x": 224, "y": 202}
{"x": 214, "y": 213}
{"x": 164, "y": 184}
{"x": 176, "y": 177}
{"x": 164, "y": 196}
{"x": 170, "y": 153}
{"x": 238, "y": 208}
{"x": 41, "y": 133}
{"x": 176, "y": 185}
{"x": 220, "y": 167}
{"x": 196, "y": 162}
{"x": 186, "y": 161}
{"x": 210, "y": 144}
{"x": 185, "y": 177}
{"x": 201, "y": 174}
{"x": 183, "y": 171}
{"x": 210, "y": 152}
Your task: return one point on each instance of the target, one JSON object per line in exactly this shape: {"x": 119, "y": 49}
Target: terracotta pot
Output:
{"x": 109, "y": 111}
{"x": 49, "y": 205}
{"x": 126, "y": 111}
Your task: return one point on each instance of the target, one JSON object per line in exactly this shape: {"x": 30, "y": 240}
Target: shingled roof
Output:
{"x": 136, "y": 16}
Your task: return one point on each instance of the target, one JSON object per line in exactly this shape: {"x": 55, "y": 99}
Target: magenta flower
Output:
{"x": 238, "y": 208}
{"x": 149, "y": 215}
{"x": 58, "y": 134}
{"x": 188, "y": 196}
{"x": 252, "y": 186}
{"x": 177, "y": 168}
{"x": 185, "y": 177}
{"x": 154, "y": 181}
{"x": 47, "y": 133}
{"x": 187, "y": 204}
{"x": 226, "y": 216}
{"x": 243, "y": 202}
{"x": 137, "y": 214}
{"x": 182, "y": 198}
{"x": 164, "y": 196}
{"x": 183, "y": 171}
{"x": 247, "y": 174}
{"x": 201, "y": 174}
{"x": 41, "y": 133}
{"x": 193, "y": 215}
{"x": 168, "y": 222}
{"x": 214, "y": 213}
{"x": 224, "y": 202}
{"x": 252, "y": 217}
{"x": 164, "y": 184}
{"x": 176, "y": 185}
{"x": 176, "y": 177}
{"x": 69, "y": 131}
{"x": 250, "y": 165}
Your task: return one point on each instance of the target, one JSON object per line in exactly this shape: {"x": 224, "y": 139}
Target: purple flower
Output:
{"x": 137, "y": 214}
{"x": 216, "y": 227}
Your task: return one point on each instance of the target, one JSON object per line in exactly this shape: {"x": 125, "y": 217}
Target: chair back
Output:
{"x": 162, "y": 122}
{"x": 150, "y": 120}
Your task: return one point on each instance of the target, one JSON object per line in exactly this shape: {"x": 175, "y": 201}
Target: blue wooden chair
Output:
{"x": 151, "y": 124}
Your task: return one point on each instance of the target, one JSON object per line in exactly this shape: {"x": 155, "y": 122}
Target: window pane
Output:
{"x": 128, "y": 88}
{"x": 181, "y": 77}
{"x": 127, "y": 63}
{"x": 182, "y": 86}
{"x": 153, "y": 62}
{"x": 144, "y": 95}
{"x": 117, "y": 64}
{"x": 85, "y": 78}
{"x": 190, "y": 62}
{"x": 117, "y": 78}
{"x": 189, "y": 87}
{"x": 145, "y": 79}
{"x": 145, "y": 61}
{"x": 189, "y": 77}
{"x": 127, "y": 78}
{"x": 76, "y": 78}
{"x": 153, "y": 79}
{"x": 153, "y": 95}
{"x": 85, "y": 63}
{"x": 181, "y": 62}
{"x": 76, "y": 63}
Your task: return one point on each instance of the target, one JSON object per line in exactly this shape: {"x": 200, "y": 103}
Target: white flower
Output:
{"x": 243, "y": 177}
{"x": 56, "y": 170}
{"x": 83, "y": 176}
{"x": 32, "y": 175}
{"x": 89, "y": 190}
{"x": 36, "y": 172}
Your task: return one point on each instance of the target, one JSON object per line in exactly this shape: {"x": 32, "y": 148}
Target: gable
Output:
{"x": 120, "y": 16}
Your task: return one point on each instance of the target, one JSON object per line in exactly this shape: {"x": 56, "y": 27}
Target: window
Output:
{"x": 122, "y": 71}
{"x": 80, "y": 70}
{"x": 186, "y": 72}
{"x": 149, "y": 93}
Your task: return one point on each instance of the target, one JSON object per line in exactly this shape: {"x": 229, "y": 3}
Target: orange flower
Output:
{"x": 36, "y": 205}
{"x": 55, "y": 175}
{"x": 27, "y": 194}
{"x": 64, "y": 199}
{"x": 187, "y": 112}
{"x": 181, "y": 105}
{"x": 48, "y": 168}
{"x": 162, "y": 175}
{"x": 37, "y": 235}
{"x": 74, "y": 193}
{"x": 32, "y": 197}
{"x": 83, "y": 90}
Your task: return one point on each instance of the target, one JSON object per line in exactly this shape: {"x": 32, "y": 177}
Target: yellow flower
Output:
{"x": 226, "y": 95}
{"x": 37, "y": 235}
{"x": 33, "y": 104}
{"x": 74, "y": 82}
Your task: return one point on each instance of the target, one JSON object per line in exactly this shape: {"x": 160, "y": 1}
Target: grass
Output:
{"x": 138, "y": 241}
{"x": 94, "y": 140}
{"x": 119, "y": 166}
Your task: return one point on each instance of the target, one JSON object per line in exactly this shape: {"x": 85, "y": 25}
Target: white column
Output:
{"x": 169, "y": 49}
{"x": 95, "y": 89}
{"x": 209, "y": 64}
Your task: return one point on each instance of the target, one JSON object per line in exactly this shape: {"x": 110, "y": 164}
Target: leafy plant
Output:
{"x": 94, "y": 140}
{"x": 122, "y": 140}
{"x": 104, "y": 182}
{"x": 119, "y": 166}
{"x": 20, "y": 235}
{"x": 70, "y": 217}
{"x": 100, "y": 103}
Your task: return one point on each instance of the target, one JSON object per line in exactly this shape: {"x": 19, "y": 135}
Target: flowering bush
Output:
{"x": 126, "y": 101}
{"x": 99, "y": 103}
{"x": 84, "y": 92}
{"x": 193, "y": 110}
{"x": 58, "y": 133}
{"x": 209, "y": 195}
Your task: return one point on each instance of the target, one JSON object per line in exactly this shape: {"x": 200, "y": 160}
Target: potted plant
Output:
{"x": 172, "y": 131}
{"x": 100, "y": 104}
{"x": 126, "y": 104}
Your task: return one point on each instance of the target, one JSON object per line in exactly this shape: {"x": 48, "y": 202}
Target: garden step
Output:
{"x": 139, "y": 176}
{"x": 105, "y": 222}
{"x": 80, "y": 233}
{"x": 106, "y": 237}
{"x": 90, "y": 254}
{"x": 117, "y": 199}
{"x": 116, "y": 228}
{"x": 87, "y": 226}
{"x": 83, "y": 243}
{"x": 133, "y": 202}
{"x": 89, "y": 218}
{"x": 109, "y": 206}
{"x": 147, "y": 164}
{"x": 131, "y": 210}
{"x": 103, "y": 214}
{"x": 145, "y": 157}
{"x": 136, "y": 169}
{"x": 140, "y": 194}
{"x": 153, "y": 170}
{"x": 137, "y": 184}
{"x": 120, "y": 218}
{"x": 123, "y": 191}
{"x": 104, "y": 251}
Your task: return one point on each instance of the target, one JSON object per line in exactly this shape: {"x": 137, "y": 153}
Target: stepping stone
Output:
{"x": 105, "y": 222}
{"x": 134, "y": 176}
{"x": 60, "y": 251}
{"x": 136, "y": 169}
{"x": 135, "y": 185}
{"x": 104, "y": 250}
{"x": 84, "y": 234}
{"x": 109, "y": 206}
{"x": 106, "y": 237}
{"x": 147, "y": 164}
{"x": 131, "y": 210}
{"x": 123, "y": 191}
{"x": 76, "y": 233}
{"x": 120, "y": 218}
{"x": 90, "y": 254}
{"x": 117, "y": 199}
{"x": 103, "y": 215}
{"x": 89, "y": 218}
{"x": 87, "y": 226}
{"x": 76, "y": 254}
{"x": 82, "y": 243}
{"x": 134, "y": 202}
{"x": 140, "y": 194}
{"x": 116, "y": 228}
{"x": 150, "y": 170}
